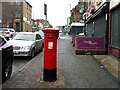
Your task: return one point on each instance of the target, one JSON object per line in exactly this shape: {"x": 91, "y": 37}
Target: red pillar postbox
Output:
{"x": 50, "y": 54}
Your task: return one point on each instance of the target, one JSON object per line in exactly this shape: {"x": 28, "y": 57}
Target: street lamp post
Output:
{"x": 70, "y": 9}
{"x": 45, "y": 13}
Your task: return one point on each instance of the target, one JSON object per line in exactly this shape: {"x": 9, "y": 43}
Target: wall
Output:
{"x": 113, "y": 3}
{"x": 27, "y": 16}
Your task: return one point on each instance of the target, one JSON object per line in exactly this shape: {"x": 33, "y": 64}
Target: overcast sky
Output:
{"x": 57, "y": 10}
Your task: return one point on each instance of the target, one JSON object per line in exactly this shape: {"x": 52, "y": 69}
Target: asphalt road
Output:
{"x": 19, "y": 63}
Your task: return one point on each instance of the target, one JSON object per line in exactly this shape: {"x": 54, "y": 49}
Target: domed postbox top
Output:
{"x": 50, "y": 30}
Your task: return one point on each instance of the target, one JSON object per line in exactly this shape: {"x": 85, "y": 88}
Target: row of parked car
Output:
{"x": 27, "y": 43}
{"x": 7, "y": 32}
{"x": 20, "y": 44}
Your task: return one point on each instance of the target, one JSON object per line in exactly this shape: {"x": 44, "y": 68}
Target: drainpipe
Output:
{"x": 21, "y": 23}
{"x": 108, "y": 29}
{"x": 109, "y": 33}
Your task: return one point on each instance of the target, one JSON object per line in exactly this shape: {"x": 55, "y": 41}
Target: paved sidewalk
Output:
{"x": 111, "y": 63}
{"x": 74, "y": 71}
{"x": 31, "y": 76}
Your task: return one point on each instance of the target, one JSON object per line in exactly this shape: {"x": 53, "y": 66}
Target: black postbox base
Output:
{"x": 50, "y": 75}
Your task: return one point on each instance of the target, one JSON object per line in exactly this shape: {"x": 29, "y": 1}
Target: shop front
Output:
{"x": 97, "y": 24}
{"x": 115, "y": 31}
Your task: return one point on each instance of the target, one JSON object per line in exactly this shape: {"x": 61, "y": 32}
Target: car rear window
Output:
{"x": 28, "y": 37}
{"x": 11, "y": 30}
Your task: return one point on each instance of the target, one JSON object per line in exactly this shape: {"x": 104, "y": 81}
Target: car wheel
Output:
{"x": 42, "y": 48}
{"x": 33, "y": 53}
{"x": 7, "y": 71}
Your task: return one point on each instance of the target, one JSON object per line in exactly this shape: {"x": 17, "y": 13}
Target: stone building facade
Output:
{"x": 76, "y": 15}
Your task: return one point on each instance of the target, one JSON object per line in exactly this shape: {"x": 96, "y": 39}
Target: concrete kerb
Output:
{"x": 23, "y": 67}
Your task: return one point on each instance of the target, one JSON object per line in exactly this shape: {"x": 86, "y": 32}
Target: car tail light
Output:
{"x": 12, "y": 46}
{"x": 7, "y": 33}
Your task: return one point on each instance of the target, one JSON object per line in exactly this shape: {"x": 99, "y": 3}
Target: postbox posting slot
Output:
{"x": 50, "y": 45}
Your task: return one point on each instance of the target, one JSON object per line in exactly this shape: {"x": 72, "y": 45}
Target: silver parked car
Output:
{"x": 27, "y": 43}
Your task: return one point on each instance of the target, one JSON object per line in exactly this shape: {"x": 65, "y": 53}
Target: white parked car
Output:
{"x": 27, "y": 43}
{"x": 41, "y": 33}
{"x": 7, "y": 32}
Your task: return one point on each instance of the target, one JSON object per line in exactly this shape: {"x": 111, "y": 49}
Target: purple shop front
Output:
{"x": 89, "y": 44}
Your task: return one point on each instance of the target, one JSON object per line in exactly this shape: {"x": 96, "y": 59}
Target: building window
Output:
{"x": 17, "y": 2}
{"x": 0, "y": 25}
{"x": 17, "y": 14}
{"x": 10, "y": 25}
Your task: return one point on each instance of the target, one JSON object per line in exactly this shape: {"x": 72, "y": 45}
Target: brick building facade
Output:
{"x": 17, "y": 15}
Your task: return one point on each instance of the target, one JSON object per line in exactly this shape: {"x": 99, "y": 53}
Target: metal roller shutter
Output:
{"x": 115, "y": 28}
{"x": 100, "y": 26}
{"x": 89, "y": 30}
{"x": 119, "y": 28}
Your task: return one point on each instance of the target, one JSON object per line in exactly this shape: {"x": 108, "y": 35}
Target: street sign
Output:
{"x": 45, "y": 9}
